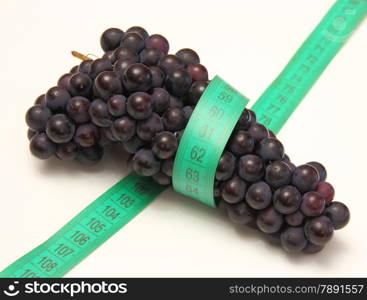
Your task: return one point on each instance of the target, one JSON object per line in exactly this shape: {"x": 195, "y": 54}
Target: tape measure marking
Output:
{"x": 204, "y": 139}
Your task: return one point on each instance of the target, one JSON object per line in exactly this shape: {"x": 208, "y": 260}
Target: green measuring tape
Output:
{"x": 121, "y": 203}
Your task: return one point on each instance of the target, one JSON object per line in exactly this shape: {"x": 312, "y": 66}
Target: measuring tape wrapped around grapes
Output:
{"x": 140, "y": 96}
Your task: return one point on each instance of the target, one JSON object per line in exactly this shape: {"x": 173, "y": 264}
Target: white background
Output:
{"x": 247, "y": 43}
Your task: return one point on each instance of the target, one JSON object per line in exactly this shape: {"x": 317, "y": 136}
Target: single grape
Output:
{"x": 60, "y": 129}
{"x": 250, "y": 168}
{"x": 133, "y": 145}
{"x": 123, "y": 128}
{"x": 320, "y": 169}
{"x": 241, "y": 143}
{"x": 133, "y": 40}
{"x": 258, "y": 132}
{"x": 123, "y": 52}
{"x": 137, "y": 77}
{"x": 41, "y": 100}
{"x": 57, "y": 98}
{"x": 121, "y": 65}
{"x": 158, "y": 76}
{"x": 37, "y": 117}
{"x": 63, "y": 81}
{"x": 234, "y": 190}
{"x": 148, "y": 128}
{"x": 313, "y": 204}
{"x": 326, "y": 190}
{"x": 159, "y": 42}
{"x": 174, "y": 119}
{"x": 98, "y": 66}
{"x": 311, "y": 248}
{"x": 338, "y": 213}
{"x": 85, "y": 66}
{"x": 188, "y": 56}
{"x": 259, "y": 195}
{"x": 167, "y": 166}
{"x": 187, "y": 110}
{"x": 319, "y": 230}
{"x": 160, "y": 99}
{"x": 178, "y": 82}
{"x": 269, "y": 220}
{"x": 240, "y": 213}
{"x": 91, "y": 155}
{"x": 74, "y": 69}
{"x": 162, "y": 179}
{"x": 145, "y": 164}
{"x": 164, "y": 145}
{"x": 41, "y": 146}
{"x": 196, "y": 91}
{"x": 116, "y": 105}
{"x": 31, "y": 133}
{"x": 197, "y": 72}
{"x": 305, "y": 178}
{"x": 293, "y": 239}
{"x": 278, "y": 174}
{"x": 287, "y": 199}
{"x": 111, "y": 38}
{"x": 270, "y": 149}
{"x": 295, "y": 219}
{"x": 150, "y": 56}
{"x": 77, "y": 109}
{"x": 99, "y": 113}
{"x": 67, "y": 151}
{"x": 175, "y": 102}
{"x": 246, "y": 120}
{"x": 86, "y": 135}
{"x": 139, "y": 30}
{"x": 169, "y": 63}
{"x": 139, "y": 105}
{"x": 107, "y": 84}
{"x": 79, "y": 85}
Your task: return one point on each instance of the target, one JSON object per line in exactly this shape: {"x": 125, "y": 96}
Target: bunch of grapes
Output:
{"x": 140, "y": 96}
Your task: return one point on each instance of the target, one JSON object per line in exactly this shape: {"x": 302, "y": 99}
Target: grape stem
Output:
{"x": 82, "y": 56}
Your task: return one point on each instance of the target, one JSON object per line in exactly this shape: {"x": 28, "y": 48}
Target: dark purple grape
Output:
{"x": 258, "y": 195}
{"x": 278, "y": 174}
{"x": 240, "y": 213}
{"x": 233, "y": 190}
{"x": 37, "y": 116}
{"x": 100, "y": 65}
{"x": 246, "y": 120}
{"x": 160, "y": 99}
{"x": 139, "y": 30}
{"x": 164, "y": 145}
{"x": 63, "y": 81}
{"x": 150, "y": 56}
{"x": 148, "y": 128}
{"x": 67, "y": 151}
{"x": 162, "y": 179}
{"x": 241, "y": 143}
{"x": 60, "y": 129}
{"x": 320, "y": 169}
{"x": 174, "y": 119}
{"x": 293, "y": 239}
{"x": 159, "y": 42}
{"x": 217, "y": 190}
{"x": 319, "y": 230}
{"x": 79, "y": 85}
{"x": 270, "y": 149}
{"x": 77, "y": 109}
{"x": 137, "y": 77}
{"x": 269, "y": 220}
{"x": 188, "y": 56}
{"x": 197, "y": 72}
{"x": 175, "y": 102}
{"x": 251, "y": 168}
{"x": 178, "y": 82}
{"x": 74, "y": 69}
{"x": 196, "y": 91}
{"x": 31, "y": 133}
{"x": 90, "y": 156}
{"x": 158, "y": 76}
{"x": 106, "y": 137}
{"x": 167, "y": 166}
{"x": 145, "y": 164}
{"x": 121, "y": 65}
{"x": 139, "y": 105}
{"x": 313, "y": 204}
{"x": 311, "y": 248}
{"x": 187, "y": 110}
{"x": 258, "y": 132}
{"x": 99, "y": 113}
{"x": 85, "y": 66}
{"x": 326, "y": 190}
{"x": 133, "y": 145}
{"x": 116, "y": 105}
{"x": 226, "y": 166}
{"x": 123, "y": 128}
{"x": 133, "y": 40}
{"x": 338, "y": 213}
{"x": 169, "y": 63}
{"x": 57, "y": 98}
{"x": 41, "y": 146}
{"x": 86, "y": 135}
{"x": 107, "y": 84}
{"x": 41, "y": 100}
{"x": 287, "y": 199}
{"x": 109, "y": 55}
{"x": 295, "y": 219}
{"x": 123, "y": 52}
{"x": 305, "y": 178}
{"x": 111, "y": 39}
